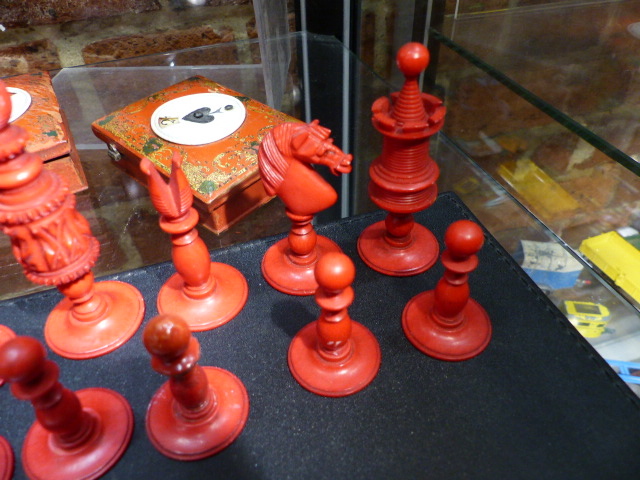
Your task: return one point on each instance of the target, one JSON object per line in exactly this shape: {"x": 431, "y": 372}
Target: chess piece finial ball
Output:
{"x": 412, "y": 59}
{"x": 167, "y": 335}
{"x": 463, "y": 239}
{"x": 21, "y": 358}
{"x": 335, "y": 271}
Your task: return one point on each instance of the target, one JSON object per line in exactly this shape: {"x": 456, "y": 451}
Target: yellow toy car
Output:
{"x": 589, "y": 318}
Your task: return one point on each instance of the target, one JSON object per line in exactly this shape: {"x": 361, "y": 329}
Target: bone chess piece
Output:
{"x": 446, "y": 323}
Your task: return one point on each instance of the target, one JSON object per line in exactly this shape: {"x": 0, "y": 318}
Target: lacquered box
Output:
{"x": 36, "y": 109}
{"x": 223, "y": 173}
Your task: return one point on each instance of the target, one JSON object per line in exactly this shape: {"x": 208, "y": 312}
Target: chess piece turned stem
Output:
{"x": 200, "y": 410}
{"x": 403, "y": 177}
{"x": 334, "y": 356}
{"x": 77, "y": 434}
{"x": 208, "y": 294}
{"x": 446, "y": 323}
{"x": 285, "y": 158}
{"x": 54, "y": 245}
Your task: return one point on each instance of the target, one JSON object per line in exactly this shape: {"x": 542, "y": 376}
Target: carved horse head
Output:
{"x": 285, "y": 157}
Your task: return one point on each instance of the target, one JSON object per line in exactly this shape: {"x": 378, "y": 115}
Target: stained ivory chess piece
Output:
{"x": 334, "y": 356}
{"x": 446, "y": 323}
{"x": 199, "y": 411}
{"x": 207, "y": 294}
{"x": 285, "y": 158}
{"x": 6, "y": 334}
{"x": 6, "y": 460}
{"x": 76, "y": 435}
{"x": 403, "y": 177}
{"x": 54, "y": 245}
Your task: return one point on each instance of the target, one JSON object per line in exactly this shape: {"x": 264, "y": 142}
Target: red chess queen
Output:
{"x": 403, "y": 177}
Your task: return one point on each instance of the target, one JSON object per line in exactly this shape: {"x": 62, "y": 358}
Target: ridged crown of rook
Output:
{"x": 408, "y": 107}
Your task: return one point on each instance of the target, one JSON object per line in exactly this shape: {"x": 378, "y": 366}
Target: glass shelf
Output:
{"x": 325, "y": 81}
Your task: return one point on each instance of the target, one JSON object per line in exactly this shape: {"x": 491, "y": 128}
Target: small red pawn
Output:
{"x": 334, "y": 356}
{"x": 76, "y": 435}
{"x": 6, "y": 460}
{"x": 200, "y": 410}
{"x": 285, "y": 157}
{"x": 446, "y": 323}
{"x": 208, "y": 294}
{"x": 6, "y": 334}
{"x": 403, "y": 177}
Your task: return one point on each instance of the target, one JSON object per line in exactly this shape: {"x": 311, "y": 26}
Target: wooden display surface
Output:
{"x": 49, "y": 134}
{"x": 223, "y": 174}
{"x": 539, "y": 402}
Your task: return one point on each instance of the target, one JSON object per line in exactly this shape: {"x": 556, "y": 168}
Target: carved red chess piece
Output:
{"x": 200, "y": 410}
{"x": 334, "y": 356}
{"x": 76, "y": 435}
{"x": 54, "y": 244}
{"x": 285, "y": 157}
{"x": 6, "y": 460}
{"x": 446, "y": 323}
{"x": 207, "y": 294}
{"x": 6, "y": 334}
{"x": 403, "y": 177}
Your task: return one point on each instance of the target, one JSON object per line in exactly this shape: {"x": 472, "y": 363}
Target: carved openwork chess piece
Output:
{"x": 6, "y": 334}
{"x": 334, "y": 356}
{"x": 76, "y": 435}
{"x": 6, "y": 459}
{"x": 207, "y": 294}
{"x": 446, "y": 323}
{"x": 285, "y": 158}
{"x": 200, "y": 410}
{"x": 403, "y": 177}
{"x": 54, "y": 244}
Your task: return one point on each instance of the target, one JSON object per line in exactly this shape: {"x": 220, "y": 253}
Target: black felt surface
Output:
{"x": 537, "y": 403}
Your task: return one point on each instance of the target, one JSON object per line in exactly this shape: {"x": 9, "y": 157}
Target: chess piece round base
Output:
{"x": 334, "y": 379}
{"x": 7, "y": 460}
{"x": 465, "y": 341}
{"x": 288, "y": 277}
{"x": 183, "y": 439}
{"x": 382, "y": 257}
{"x": 6, "y": 334}
{"x": 42, "y": 459}
{"x": 211, "y": 311}
{"x": 80, "y": 339}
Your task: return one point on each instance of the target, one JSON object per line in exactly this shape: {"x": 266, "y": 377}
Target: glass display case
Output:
{"x": 492, "y": 153}
{"x": 543, "y": 99}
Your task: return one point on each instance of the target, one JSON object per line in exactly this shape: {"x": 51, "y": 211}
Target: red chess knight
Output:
{"x": 403, "y": 177}
{"x": 54, "y": 245}
{"x": 446, "y": 323}
{"x": 77, "y": 434}
{"x": 285, "y": 158}
{"x": 208, "y": 294}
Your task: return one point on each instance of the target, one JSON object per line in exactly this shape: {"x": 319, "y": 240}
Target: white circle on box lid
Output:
{"x": 198, "y": 119}
{"x": 634, "y": 29}
{"x": 20, "y": 102}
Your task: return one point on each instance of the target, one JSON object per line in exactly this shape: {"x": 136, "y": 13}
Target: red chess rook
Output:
{"x": 446, "y": 323}
{"x": 403, "y": 177}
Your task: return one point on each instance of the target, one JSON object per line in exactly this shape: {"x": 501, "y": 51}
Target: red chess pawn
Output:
{"x": 334, "y": 356}
{"x": 208, "y": 294}
{"x": 446, "y": 323}
{"x": 6, "y": 334}
{"x": 200, "y": 410}
{"x": 54, "y": 244}
{"x": 403, "y": 177}
{"x": 285, "y": 158}
{"x": 76, "y": 435}
{"x": 6, "y": 460}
